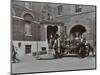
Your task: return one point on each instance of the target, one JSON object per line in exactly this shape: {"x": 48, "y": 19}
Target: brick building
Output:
{"x": 33, "y": 22}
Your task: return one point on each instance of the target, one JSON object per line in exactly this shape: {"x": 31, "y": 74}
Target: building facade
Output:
{"x": 32, "y": 24}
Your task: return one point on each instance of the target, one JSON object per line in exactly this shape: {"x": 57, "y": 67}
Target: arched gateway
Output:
{"x": 77, "y": 31}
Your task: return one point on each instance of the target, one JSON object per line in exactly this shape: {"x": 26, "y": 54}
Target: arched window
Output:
{"x": 27, "y": 24}
{"x": 27, "y": 29}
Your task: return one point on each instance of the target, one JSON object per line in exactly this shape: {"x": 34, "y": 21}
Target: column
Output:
{"x": 59, "y": 30}
{"x": 45, "y": 32}
{"x": 45, "y": 26}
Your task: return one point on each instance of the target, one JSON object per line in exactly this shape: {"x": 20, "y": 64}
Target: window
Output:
{"x": 27, "y": 29}
{"x": 43, "y": 49}
{"x": 59, "y": 9}
{"x": 44, "y": 9}
{"x": 27, "y": 49}
{"x": 27, "y": 5}
{"x": 78, "y": 8}
{"x": 13, "y": 12}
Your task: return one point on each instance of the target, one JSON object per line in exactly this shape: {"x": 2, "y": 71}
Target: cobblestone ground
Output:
{"x": 30, "y": 64}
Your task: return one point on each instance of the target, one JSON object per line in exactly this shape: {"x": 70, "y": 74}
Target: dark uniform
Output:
{"x": 55, "y": 46}
{"x": 14, "y": 53}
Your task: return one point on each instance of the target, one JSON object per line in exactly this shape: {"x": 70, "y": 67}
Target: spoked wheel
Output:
{"x": 83, "y": 52}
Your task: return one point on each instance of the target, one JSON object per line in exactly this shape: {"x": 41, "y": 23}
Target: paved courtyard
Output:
{"x": 30, "y": 64}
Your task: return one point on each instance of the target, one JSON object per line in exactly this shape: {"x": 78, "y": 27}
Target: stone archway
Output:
{"x": 77, "y": 31}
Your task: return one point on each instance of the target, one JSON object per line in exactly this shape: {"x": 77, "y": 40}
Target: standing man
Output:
{"x": 56, "y": 45}
{"x": 88, "y": 46}
{"x": 14, "y": 57}
{"x": 51, "y": 42}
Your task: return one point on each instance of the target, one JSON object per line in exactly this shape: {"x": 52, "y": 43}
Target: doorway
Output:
{"x": 51, "y": 30}
{"x": 77, "y": 31}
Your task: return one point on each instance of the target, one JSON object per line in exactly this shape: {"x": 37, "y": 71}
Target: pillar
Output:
{"x": 59, "y": 30}
{"x": 45, "y": 26}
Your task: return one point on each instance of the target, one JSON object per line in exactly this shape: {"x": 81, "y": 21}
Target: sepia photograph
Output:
{"x": 52, "y": 37}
